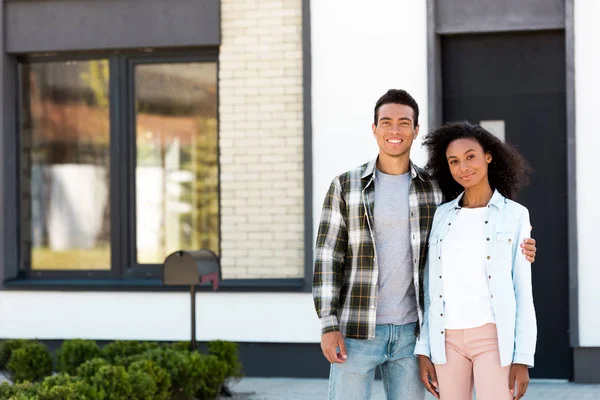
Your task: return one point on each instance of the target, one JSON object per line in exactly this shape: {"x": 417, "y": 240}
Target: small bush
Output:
{"x": 180, "y": 368}
{"x": 22, "y": 390}
{"x": 88, "y": 369}
{"x": 7, "y": 390}
{"x": 180, "y": 346}
{"x": 159, "y": 375}
{"x": 120, "y": 351}
{"x": 73, "y": 353}
{"x": 228, "y": 353}
{"x": 30, "y": 363}
{"x": 143, "y": 386}
{"x": 6, "y": 349}
{"x": 66, "y": 387}
{"x": 22, "y": 396}
{"x": 113, "y": 383}
{"x": 65, "y": 392}
{"x": 210, "y": 373}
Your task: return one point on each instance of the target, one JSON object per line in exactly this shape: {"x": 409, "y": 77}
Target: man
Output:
{"x": 370, "y": 257}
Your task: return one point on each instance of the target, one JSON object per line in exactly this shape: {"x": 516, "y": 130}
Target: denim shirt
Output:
{"x": 509, "y": 282}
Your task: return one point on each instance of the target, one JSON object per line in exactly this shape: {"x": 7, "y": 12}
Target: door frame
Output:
{"x": 564, "y": 19}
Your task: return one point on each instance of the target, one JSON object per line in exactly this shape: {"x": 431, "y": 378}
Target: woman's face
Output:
{"x": 468, "y": 162}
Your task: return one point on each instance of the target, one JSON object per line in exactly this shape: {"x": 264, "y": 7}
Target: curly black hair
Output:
{"x": 397, "y": 96}
{"x": 508, "y": 171}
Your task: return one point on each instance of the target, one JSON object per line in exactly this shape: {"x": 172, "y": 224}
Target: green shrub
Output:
{"x": 6, "y": 390}
{"x": 120, "y": 351}
{"x": 6, "y": 349}
{"x": 22, "y": 396}
{"x": 184, "y": 382}
{"x": 180, "y": 346}
{"x": 22, "y": 390}
{"x": 65, "y": 392}
{"x": 30, "y": 363}
{"x": 228, "y": 353}
{"x": 66, "y": 387}
{"x": 88, "y": 369}
{"x": 143, "y": 386}
{"x": 112, "y": 383}
{"x": 159, "y": 375}
{"x": 73, "y": 353}
{"x": 211, "y": 373}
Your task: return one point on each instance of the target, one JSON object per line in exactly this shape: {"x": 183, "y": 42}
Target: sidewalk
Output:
{"x": 316, "y": 389}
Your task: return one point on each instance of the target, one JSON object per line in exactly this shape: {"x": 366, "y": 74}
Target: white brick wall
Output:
{"x": 261, "y": 139}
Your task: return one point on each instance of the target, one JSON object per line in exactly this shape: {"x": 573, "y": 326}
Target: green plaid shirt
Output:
{"x": 345, "y": 274}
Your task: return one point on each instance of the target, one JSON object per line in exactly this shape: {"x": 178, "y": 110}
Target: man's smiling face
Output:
{"x": 395, "y": 130}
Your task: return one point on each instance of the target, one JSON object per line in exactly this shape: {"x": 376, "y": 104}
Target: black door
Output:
{"x": 519, "y": 78}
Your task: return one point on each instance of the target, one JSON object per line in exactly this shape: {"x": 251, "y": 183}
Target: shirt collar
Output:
{"x": 370, "y": 170}
{"x": 497, "y": 200}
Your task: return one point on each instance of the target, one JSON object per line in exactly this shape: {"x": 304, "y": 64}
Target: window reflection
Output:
{"x": 177, "y": 203}
{"x": 64, "y": 136}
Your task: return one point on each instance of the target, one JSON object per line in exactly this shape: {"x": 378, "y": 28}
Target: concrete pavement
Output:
{"x": 316, "y": 389}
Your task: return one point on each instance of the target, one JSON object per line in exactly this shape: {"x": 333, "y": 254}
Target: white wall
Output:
{"x": 587, "y": 87}
{"x": 359, "y": 51}
{"x": 240, "y": 317}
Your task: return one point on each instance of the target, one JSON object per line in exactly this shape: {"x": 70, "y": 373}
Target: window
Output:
{"x": 176, "y": 173}
{"x": 119, "y": 162}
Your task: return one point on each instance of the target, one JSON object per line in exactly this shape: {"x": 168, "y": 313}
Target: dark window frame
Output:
{"x": 133, "y": 268}
{"x": 122, "y": 152}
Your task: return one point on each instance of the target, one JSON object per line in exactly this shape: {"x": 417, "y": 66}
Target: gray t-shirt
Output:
{"x": 396, "y": 303}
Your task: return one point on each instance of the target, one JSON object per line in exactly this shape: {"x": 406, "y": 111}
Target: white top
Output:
{"x": 465, "y": 282}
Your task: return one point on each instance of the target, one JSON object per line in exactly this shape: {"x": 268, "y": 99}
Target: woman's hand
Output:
{"x": 528, "y": 248}
{"x": 519, "y": 374}
{"x": 428, "y": 376}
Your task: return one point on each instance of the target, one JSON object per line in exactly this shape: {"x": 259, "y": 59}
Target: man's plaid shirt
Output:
{"x": 345, "y": 275}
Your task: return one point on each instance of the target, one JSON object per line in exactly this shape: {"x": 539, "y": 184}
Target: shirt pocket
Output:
{"x": 504, "y": 244}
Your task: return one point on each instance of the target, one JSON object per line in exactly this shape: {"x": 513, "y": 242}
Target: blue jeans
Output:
{"x": 391, "y": 350}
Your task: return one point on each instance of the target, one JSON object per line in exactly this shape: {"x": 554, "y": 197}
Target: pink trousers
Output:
{"x": 472, "y": 356}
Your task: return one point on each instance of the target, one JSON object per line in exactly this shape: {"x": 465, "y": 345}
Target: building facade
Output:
{"x": 131, "y": 129}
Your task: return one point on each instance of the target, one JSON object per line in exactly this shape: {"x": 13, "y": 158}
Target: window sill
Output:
{"x": 155, "y": 285}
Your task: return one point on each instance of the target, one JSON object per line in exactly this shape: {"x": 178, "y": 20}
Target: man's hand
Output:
{"x": 528, "y": 248}
{"x": 329, "y": 344}
{"x": 428, "y": 376}
{"x": 520, "y": 374}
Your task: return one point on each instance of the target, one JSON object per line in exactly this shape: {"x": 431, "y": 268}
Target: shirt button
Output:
{"x": 442, "y": 332}
{"x": 509, "y": 240}
{"x": 488, "y": 239}
{"x": 486, "y": 222}
{"x": 440, "y": 296}
{"x": 372, "y": 306}
{"x": 440, "y": 277}
{"x": 492, "y": 296}
{"x": 449, "y": 223}
{"x": 441, "y": 315}
{"x": 488, "y": 257}
{"x": 489, "y": 277}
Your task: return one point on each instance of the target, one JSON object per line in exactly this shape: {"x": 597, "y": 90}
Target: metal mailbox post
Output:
{"x": 190, "y": 268}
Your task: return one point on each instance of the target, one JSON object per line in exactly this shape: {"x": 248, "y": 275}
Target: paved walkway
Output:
{"x": 316, "y": 389}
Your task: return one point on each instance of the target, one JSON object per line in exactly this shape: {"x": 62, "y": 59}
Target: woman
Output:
{"x": 479, "y": 324}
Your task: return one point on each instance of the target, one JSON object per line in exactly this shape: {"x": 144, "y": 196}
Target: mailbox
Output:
{"x": 190, "y": 268}
{"x": 185, "y": 268}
